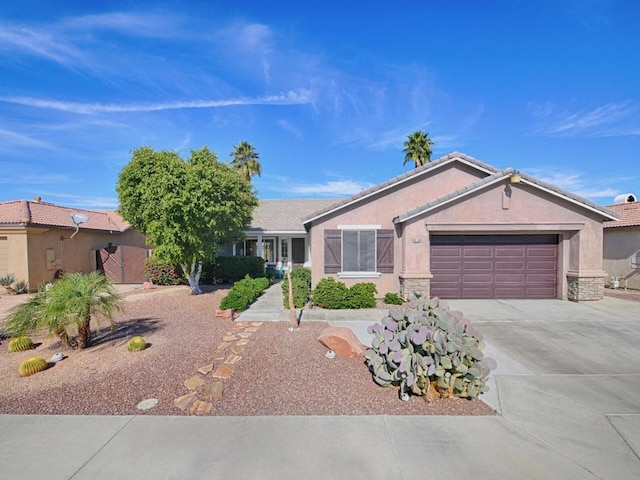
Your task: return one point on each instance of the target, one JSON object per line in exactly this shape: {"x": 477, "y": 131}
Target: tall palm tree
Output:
{"x": 66, "y": 308}
{"x": 417, "y": 148}
{"x": 246, "y": 160}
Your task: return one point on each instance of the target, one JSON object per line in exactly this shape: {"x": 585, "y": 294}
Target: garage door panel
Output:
{"x": 495, "y": 266}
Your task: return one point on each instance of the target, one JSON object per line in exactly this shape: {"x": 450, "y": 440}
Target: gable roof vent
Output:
{"x": 625, "y": 198}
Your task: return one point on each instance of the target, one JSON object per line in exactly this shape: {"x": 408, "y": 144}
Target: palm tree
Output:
{"x": 67, "y": 308}
{"x": 246, "y": 160}
{"x": 418, "y": 148}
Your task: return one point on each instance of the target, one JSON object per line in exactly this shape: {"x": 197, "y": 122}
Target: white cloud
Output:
{"x": 13, "y": 139}
{"x": 575, "y": 182}
{"x": 333, "y": 188}
{"x": 291, "y": 128}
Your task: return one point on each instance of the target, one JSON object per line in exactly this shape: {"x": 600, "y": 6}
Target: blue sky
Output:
{"x": 327, "y": 92}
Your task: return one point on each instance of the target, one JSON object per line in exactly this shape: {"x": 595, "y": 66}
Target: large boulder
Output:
{"x": 343, "y": 341}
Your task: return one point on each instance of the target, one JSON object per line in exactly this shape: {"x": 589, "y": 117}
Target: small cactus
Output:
{"x": 20, "y": 344}
{"x": 136, "y": 344}
{"x": 32, "y": 365}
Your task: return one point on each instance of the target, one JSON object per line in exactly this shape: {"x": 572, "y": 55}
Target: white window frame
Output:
{"x": 348, "y": 274}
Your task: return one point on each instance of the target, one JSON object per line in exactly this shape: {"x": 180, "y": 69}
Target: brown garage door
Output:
{"x": 494, "y": 266}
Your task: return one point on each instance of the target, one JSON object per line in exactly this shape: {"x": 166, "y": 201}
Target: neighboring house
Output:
{"x": 39, "y": 238}
{"x": 459, "y": 228}
{"x": 621, "y": 250}
{"x": 277, "y": 233}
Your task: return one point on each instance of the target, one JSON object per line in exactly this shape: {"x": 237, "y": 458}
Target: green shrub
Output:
{"x": 162, "y": 273}
{"x": 244, "y": 292}
{"x": 393, "y": 299}
{"x": 362, "y": 295}
{"x": 7, "y": 280}
{"x": 301, "y": 281}
{"x": 331, "y": 294}
{"x": 230, "y": 269}
{"x": 427, "y": 346}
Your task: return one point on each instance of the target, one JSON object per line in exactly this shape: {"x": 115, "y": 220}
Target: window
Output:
{"x": 363, "y": 251}
{"x": 249, "y": 248}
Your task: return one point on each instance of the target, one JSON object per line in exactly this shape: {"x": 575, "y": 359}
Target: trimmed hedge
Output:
{"x": 230, "y": 269}
{"x": 332, "y": 294}
{"x": 393, "y": 299}
{"x": 301, "y": 281}
{"x": 162, "y": 273}
{"x": 244, "y": 292}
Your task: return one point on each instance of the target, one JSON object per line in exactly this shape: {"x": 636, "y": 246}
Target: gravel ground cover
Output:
{"x": 280, "y": 372}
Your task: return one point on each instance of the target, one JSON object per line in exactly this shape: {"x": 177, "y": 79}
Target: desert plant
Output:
{"x": 230, "y": 269}
{"x": 32, "y": 365}
{"x": 392, "y": 299}
{"x": 162, "y": 273}
{"x": 330, "y": 293}
{"x": 7, "y": 280}
{"x": 136, "y": 344}
{"x": 21, "y": 287}
{"x": 66, "y": 308}
{"x": 20, "y": 344}
{"x": 425, "y": 346}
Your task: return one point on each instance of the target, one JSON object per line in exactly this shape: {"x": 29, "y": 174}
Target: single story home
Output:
{"x": 622, "y": 243}
{"x": 453, "y": 228}
{"x": 38, "y": 238}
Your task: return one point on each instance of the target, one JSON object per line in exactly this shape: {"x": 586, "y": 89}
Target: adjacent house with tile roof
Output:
{"x": 460, "y": 228}
{"x": 38, "y": 238}
{"x": 621, "y": 250}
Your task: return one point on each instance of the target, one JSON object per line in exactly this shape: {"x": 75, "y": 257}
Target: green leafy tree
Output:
{"x": 66, "y": 308}
{"x": 417, "y": 148}
{"x": 246, "y": 160}
{"x": 187, "y": 209}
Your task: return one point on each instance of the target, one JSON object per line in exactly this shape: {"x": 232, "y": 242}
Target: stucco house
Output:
{"x": 457, "y": 228}
{"x": 38, "y": 238}
{"x": 621, "y": 250}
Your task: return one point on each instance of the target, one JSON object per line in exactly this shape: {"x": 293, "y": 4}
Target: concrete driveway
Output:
{"x": 569, "y": 374}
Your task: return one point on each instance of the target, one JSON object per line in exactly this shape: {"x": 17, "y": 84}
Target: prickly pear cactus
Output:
{"x": 31, "y": 366}
{"x": 427, "y": 346}
{"x": 136, "y": 344}
{"x": 20, "y": 344}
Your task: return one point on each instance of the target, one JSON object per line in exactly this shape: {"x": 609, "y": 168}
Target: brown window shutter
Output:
{"x": 332, "y": 251}
{"x": 384, "y": 249}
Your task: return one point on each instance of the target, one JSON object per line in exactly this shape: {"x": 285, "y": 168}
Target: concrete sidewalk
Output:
{"x": 566, "y": 385}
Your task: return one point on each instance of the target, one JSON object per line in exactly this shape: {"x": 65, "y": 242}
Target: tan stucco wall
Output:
{"x": 619, "y": 245}
{"x": 28, "y": 251}
{"x": 381, "y": 209}
{"x": 500, "y": 208}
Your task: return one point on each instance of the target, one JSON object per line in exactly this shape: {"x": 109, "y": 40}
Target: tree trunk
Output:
{"x": 84, "y": 334}
{"x": 65, "y": 339}
{"x": 193, "y": 275}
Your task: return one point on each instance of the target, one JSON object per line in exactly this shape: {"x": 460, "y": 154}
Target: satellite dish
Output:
{"x": 78, "y": 218}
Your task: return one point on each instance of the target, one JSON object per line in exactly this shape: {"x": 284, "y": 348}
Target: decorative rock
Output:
{"x": 213, "y": 390}
{"x": 147, "y": 404}
{"x": 238, "y": 350}
{"x": 183, "y": 402}
{"x": 193, "y": 382}
{"x": 223, "y": 345}
{"x": 242, "y": 342}
{"x": 205, "y": 369}
{"x": 343, "y": 341}
{"x": 218, "y": 355}
{"x": 223, "y": 371}
{"x": 256, "y": 324}
{"x": 57, "y": 357}
{"x": 148, "y": 285}
{"x": 200, "y": 408}
{"x": 228, "y": 314}
{"x": 245, "y": 334}
{"x": 233, "y": 359}
{"x": 252, "y": 329}
{"x": 229, "y": 338}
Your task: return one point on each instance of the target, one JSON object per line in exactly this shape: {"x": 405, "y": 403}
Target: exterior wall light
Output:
{"x": 515, "y": 178}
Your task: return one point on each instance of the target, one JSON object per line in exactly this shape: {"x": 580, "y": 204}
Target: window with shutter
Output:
{"x": 332, "y": 251}
{"x": 353, "y": 251}
{"x": 384, "y": 249}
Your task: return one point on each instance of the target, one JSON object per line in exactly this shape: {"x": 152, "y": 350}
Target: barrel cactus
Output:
{"x": 32, "y": 365}
{"x": 136, "y": 344}
{"x": 428, "y": 346}
{"x": 20, "y": 344}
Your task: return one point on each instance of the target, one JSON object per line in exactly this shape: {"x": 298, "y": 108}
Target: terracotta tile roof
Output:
{"x": 285, "y": 215}
{"x": 629, "y": 215}
{"x": 31, "y": 213}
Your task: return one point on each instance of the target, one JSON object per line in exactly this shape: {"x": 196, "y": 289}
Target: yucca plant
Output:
{"x": 7, "y": 280}
{"x": 136, "y": 344}
{"x": 20, "y": 344}
{"x": 67, "y": 307}
{"x": 32, "y": 365}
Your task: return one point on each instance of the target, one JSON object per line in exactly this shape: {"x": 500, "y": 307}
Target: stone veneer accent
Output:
{"x": 418, "y": 285}
{"x": 580, "y": 289}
